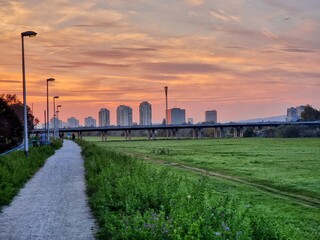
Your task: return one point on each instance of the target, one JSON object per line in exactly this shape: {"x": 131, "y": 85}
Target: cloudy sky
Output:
{"x": 244, "y": 58}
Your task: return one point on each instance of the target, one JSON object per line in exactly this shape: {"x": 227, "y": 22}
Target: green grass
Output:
{"x": 135, "y": 200}
{"x": 288, "y": 164}
{"x": 16, "y": 169}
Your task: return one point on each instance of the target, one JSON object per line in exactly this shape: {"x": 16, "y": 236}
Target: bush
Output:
{"x": 16, "y": 169}
{"x": 296, "y": 131}
{"x": 133, "y": 200}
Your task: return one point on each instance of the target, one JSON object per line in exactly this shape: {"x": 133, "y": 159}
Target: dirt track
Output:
{"x": 52, "y": 205}
{"x": 300, "y": 199}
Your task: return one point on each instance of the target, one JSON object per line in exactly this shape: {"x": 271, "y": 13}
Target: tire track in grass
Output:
{"x": 301, "y": 199}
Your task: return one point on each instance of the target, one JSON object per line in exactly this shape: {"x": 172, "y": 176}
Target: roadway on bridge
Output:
{"x": 53, "y": 204}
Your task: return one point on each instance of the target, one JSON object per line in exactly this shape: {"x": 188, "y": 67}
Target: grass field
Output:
{"x": 287, "y": 164}
{"x": 290, "y": 165}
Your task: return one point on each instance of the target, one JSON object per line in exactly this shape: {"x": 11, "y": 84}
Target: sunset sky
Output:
{"x": 245, "y": 58}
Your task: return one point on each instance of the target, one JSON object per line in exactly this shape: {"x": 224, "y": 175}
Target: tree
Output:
{"x": 249, "y": 132}
{"x": 310, "y": 114}
{"x": 11, "y": 121}
{"x": 14, "y": 103}
{"x": 11, "y": 128}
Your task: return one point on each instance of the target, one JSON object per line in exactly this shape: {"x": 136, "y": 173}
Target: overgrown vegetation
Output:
{"x": 133, "y": 200}
{"x": 16, "y": 169}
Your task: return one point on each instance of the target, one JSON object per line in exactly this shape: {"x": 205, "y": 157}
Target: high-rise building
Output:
{"x": 73, "y": 122}
{"x": 176, "y": 116}
{"x": 145, "y": 113}
{"x": 294, "y": 113}
{"x": 90, "y": 122}
{"x": 211, "y": 116}
{"x": 124, "y": 115}
{"x": 104, "y": 117}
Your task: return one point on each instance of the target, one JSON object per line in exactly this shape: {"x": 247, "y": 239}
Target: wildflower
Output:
{"x": 189, "y": 196}
{"x": 227, "y": 228}
{"x": 217, "y": 233}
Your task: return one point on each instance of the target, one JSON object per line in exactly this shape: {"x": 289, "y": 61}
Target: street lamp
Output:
{"x": 59, "y": 106}
{"x": 48, "y": 80}
{"x": 25, "y": 118}
{"x": 54, "y": 115}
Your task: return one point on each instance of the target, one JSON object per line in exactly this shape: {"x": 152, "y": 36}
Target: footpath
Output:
{"x": 53, "y": 204}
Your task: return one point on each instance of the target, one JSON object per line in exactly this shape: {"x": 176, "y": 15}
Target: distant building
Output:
{"x": 124, "y": 115}
{"x": 176, "y": 116}
{"x": 145, "y": 113}
{"x": 211, "y": 116}
{"x": 90, "y": 122}
{"x": 190, "y": 120}
{"x": 294, "y": 113}
{"x": 72, "y": 122}
{"x": 104, "y": 117}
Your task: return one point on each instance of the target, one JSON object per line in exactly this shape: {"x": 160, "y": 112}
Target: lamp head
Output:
{"x": 56, "y": 97}
{"x": 28, "y": 34}
{"x": 50, "y": 79}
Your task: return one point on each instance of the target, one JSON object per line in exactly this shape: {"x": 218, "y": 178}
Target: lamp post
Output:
{"x": 47, "y": 124}
{"x": 59, "y": 106}
{"x": 54, "y": 115}
{"x": 25, "y": 116}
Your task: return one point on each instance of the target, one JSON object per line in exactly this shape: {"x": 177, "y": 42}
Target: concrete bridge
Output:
{"x": 172, "y": 130}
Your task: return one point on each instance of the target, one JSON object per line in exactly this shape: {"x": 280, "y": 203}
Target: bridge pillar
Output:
{"x": 153, "y": 134}
{"x": 194, "y": 132}
{"x": 176, "y": 133}
{"x": 199, "y": 133}
{"x": 235, "y": 132}
{"x": 127, "y": 134}
{"x": 215, "y": 133}
{"x": 104, "y": 136}
{"x": 172, "y": 133}
{"x": 219, "y": 132}
{"x": 241, "y": 133}
{"x": 149, "y": 134}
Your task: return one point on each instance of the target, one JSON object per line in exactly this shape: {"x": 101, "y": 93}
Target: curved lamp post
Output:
{"x": 47, "y": 124}
{"x": 25, "y": 116}
{"x": 54, "y": 115}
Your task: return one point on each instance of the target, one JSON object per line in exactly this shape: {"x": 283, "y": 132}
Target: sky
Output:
{"x": 244, "y": 58}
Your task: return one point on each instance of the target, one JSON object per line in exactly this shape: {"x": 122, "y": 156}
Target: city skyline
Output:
{"x": 246, "y": 59}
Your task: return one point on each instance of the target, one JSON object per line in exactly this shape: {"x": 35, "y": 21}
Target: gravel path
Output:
{"x": 52, "y": 205}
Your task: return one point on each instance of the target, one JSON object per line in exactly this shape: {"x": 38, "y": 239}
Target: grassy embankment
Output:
{"x": 138, "y": 200}
{"x": 16, "y": 169}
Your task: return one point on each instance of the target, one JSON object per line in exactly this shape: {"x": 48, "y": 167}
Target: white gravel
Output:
{"x": 53, "y": 204}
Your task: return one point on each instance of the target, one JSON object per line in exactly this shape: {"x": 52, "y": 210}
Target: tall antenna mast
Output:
{"x": 166, "y": 92}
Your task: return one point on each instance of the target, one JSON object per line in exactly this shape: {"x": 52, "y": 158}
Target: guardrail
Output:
{"x": 12, "y": 150}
